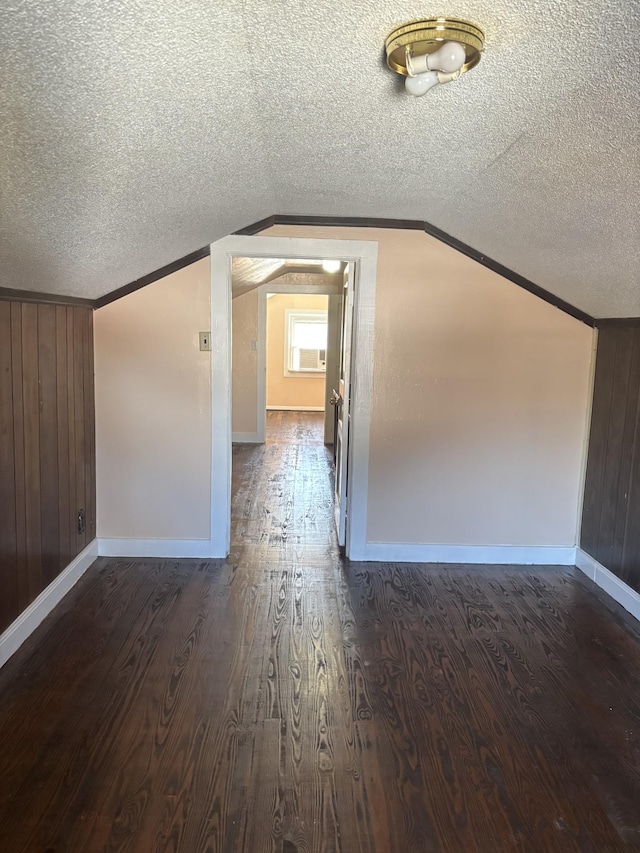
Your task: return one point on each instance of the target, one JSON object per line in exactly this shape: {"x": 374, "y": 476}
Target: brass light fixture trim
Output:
{"x": 426, "y": 36}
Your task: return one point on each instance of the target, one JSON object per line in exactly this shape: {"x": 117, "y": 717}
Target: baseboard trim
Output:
{"x": 19, "y": 630}
{"x": 607, "y": 581}
{"x": 246, "y": 438}
{"x": 177, "y": 548}
{"x": 295, "y": 408}
{"x": 407, "y": 552}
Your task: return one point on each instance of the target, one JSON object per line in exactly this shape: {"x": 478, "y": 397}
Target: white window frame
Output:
{"x": 291, "y": 316}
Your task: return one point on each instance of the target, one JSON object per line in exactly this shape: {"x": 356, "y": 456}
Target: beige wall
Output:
{"x": 153, "y": 410}
{"x": 244, "y": 360}
{"x": 289, "y": 391}
{"x": 479, "y": 404}
{"x": 479, "y": 401}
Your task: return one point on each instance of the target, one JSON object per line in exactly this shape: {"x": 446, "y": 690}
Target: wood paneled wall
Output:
{"x": 611, "y": 513}
{"x": 47, "y": 446}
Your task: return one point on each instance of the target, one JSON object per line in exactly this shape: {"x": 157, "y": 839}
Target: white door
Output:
{"x": 341, "y": 399}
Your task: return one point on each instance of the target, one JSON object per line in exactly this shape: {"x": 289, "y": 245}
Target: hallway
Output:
{"x": 286, "y": 701}
{"x": 283, "y": 489}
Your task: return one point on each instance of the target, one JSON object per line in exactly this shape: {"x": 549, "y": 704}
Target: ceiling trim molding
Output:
{"x": 256, "y": 227}
{"x": 606, "y": 322}
{"x": 509, "y": 274}
{"x": 8, "y": 294}
{"x": 350, "y": 222}
{"x": 453, "y": 242}
{"x": 175, "y": 266}
{"x": 432, "y": 231}
{"x": 139, "y": 283}
{"x": 338, "y": 222}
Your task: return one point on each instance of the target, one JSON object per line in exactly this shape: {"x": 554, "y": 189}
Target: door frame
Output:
{"x": 364, "y": 254}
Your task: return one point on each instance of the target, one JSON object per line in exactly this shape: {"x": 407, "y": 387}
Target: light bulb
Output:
{"x": 331, "y": 266}
{"x": 421, "y": 83}
{"x": 449, "y": 58}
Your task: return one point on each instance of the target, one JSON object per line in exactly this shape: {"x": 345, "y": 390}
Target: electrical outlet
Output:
{"x": 205, "y": 342}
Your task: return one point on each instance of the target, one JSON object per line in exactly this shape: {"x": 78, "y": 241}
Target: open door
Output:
{"x": 341, "y": 399}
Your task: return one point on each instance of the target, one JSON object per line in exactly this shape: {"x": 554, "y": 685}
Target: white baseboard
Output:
{"x": 246, "y": 438}
{"x": 607, "y": 581}
{"x": 41, "y": 607}
{"x": 407, "y": 552}
{"x": 295, "y": 408}
{"x": 154, "y": 547}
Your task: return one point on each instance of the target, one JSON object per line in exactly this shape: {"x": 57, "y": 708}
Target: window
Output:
{"x": 305, "y": 341}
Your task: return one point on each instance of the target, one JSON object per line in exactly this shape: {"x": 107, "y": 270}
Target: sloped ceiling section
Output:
{"x": 249, "y": 273}
{"x": 133, "y": 133}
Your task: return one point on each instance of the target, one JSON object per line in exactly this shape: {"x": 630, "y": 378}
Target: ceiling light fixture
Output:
{"x": 331, "y": 266}
{"x": 433, "y": 50}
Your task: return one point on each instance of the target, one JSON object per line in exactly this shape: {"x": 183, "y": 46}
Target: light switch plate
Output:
{"x": 205, "y": 341}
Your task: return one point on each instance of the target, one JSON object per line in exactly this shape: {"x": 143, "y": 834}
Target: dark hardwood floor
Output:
{"x": 285, "y": 700}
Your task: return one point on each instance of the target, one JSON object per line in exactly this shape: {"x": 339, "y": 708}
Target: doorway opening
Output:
{"x": 297, "y": 363}
{"x": 296, "y": 352}
{"x": 245, "y": 271}
{"x": 289, "y": 342}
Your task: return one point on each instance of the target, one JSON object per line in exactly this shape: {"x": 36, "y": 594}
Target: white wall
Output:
{"x": 153, "y": 410}
{"x": 479, "y": 401}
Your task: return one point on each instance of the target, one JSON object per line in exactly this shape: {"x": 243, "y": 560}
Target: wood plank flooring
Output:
{"x": 287, "y": 701}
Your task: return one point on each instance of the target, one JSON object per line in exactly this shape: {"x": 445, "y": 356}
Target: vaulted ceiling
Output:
{"x": 133, "y": 133}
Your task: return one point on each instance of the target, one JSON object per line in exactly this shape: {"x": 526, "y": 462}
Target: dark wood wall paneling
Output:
{"x": 611, "y": 512}
{"x": 47, "y": 446}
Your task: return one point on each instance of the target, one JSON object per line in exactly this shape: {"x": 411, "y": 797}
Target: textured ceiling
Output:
{"x": 133, "y": 133}
{"x": 249, "y": 273}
